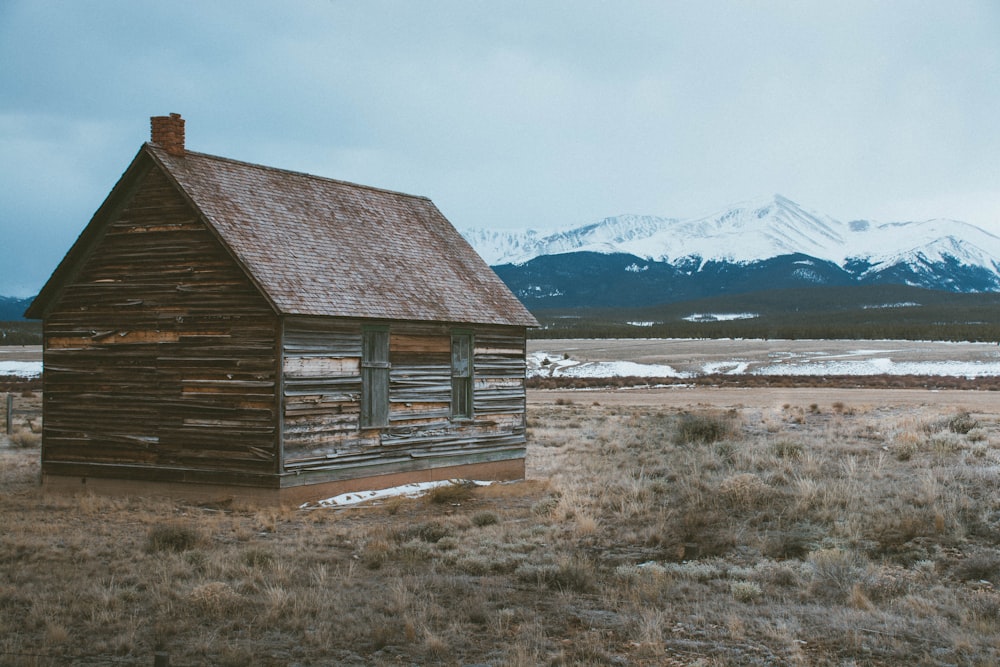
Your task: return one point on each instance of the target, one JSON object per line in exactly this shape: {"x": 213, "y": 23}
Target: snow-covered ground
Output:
{"x": 406, "y": 491}
{"x": 24, "y": 369}
{"x": 719, "y": 317}
{"x": 545, "y": 364}
{"x": 687, "y": 358}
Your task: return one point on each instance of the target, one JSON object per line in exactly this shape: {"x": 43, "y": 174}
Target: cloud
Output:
{"x": 512, "y": 114}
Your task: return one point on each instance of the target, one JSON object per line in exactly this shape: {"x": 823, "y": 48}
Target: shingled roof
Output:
{"x": 318, "y": 246}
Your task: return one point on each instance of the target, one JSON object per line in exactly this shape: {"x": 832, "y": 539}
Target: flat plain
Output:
{"x": 681, "y": 525}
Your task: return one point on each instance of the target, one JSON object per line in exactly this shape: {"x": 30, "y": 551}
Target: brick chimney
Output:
{"x": 168, "y": 133}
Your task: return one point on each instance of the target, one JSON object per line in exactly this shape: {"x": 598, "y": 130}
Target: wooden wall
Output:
{"x": 162, "y": 363}
{"x": 322, "y": 390}
{"x": 159, "y": 351}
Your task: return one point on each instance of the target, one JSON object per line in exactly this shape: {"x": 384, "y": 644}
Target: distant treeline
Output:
{"x": 873, "y": 312}
{"x": 24, "y": 332}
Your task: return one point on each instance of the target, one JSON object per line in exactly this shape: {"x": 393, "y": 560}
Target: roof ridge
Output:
{"x": 291, "y": 172}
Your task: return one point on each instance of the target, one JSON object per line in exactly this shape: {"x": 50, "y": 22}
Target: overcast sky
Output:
{"x": 509, "y": 114}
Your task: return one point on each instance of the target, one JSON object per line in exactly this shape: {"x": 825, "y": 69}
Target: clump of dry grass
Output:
{"x": 744, "y": 491}
{"x": 704, "y": 427}
{"x": 25, "y": 438}
{"x": 214, "y": 599}
{"x": 485, "y": 518}
{"x": 172, "y": 536}
{"x": 451, "y": 493}
{"x": 961, "y": 422}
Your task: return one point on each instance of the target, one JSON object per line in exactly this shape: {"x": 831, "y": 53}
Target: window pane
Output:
{"x": 461, "y": 355}
{"x": 461, "y": 398}
{"x": 461, "y": 376}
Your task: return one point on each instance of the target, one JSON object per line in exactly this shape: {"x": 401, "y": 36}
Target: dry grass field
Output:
{"x": 792, "y": 528}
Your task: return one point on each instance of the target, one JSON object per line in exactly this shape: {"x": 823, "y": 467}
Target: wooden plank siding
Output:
{"x": 322, "y": 382}
{"x": 159, "y": 351}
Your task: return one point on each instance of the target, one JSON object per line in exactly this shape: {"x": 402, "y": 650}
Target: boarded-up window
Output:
{"x": 374, "y": 377}
{"x": 461, "y": 375}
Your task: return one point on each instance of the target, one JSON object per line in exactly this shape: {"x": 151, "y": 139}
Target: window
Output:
{"x": 374, "y": 377}
{"x": 461, "y": 376}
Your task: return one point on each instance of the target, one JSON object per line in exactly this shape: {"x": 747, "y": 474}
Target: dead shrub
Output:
{"x": 945, "y": 444}
{"x": 430, "y": 532}
{"x": 985, "y": 606}
{"x": 25, "y": 438}
{"x": 215, "y": 598}
{"x": 486, "y": 518}
{"x": 745, "y": 591}
{"x": 895, "y": 531}
{"x": 704, "y": 428}
{"x": 979, "y": 567}
{"x": 172, "y": 536}
{"x": 977, "y": 435}
{"x": 574, "y": 574}
{"x": 836, "y": 572}
{"x": 906, "y": 445}
{"x": 375, "y": 554}
{"x": 452, "y": 493}
{"x": 961, "y": 423}
{"x": 795, "y": 542}
{"x": 787, "y": 449}
{"x": 744, "y": 491}
{"x": 257, "y": 558}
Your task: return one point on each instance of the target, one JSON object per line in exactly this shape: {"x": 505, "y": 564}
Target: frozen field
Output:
{"x": 21, "y": 361}
{"x": 686, "y": 358}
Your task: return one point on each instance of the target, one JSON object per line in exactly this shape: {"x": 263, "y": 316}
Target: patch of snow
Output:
{"x": 883, "y": 366}
{"x": 901, "y": 304}
{"x": 725, "y": 368}
{"x": 719, "y": 317}
{"x": 605, "y": 369}
{"x": 545, "y": 364}
{"x": 807, "y": 275}
{"x": 24, "y": 369}
{"x": 407, "y": 491}
{"x": 535, "y": 291}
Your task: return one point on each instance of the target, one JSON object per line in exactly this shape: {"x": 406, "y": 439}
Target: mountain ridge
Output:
{"x": 746, "y": 231}
{"x": 770, "y": 243}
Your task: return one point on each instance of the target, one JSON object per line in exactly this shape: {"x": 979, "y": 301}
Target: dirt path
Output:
{"x": 20, "y": 352}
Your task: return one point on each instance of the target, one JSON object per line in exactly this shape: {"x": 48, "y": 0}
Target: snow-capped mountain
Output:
{"x": 739, "y": 246}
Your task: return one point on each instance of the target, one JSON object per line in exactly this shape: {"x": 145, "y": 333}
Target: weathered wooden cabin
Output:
{"x": 225, "y": 330}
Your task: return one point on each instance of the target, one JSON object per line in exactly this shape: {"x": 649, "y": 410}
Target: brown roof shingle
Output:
{"x": 318, "y": 246}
